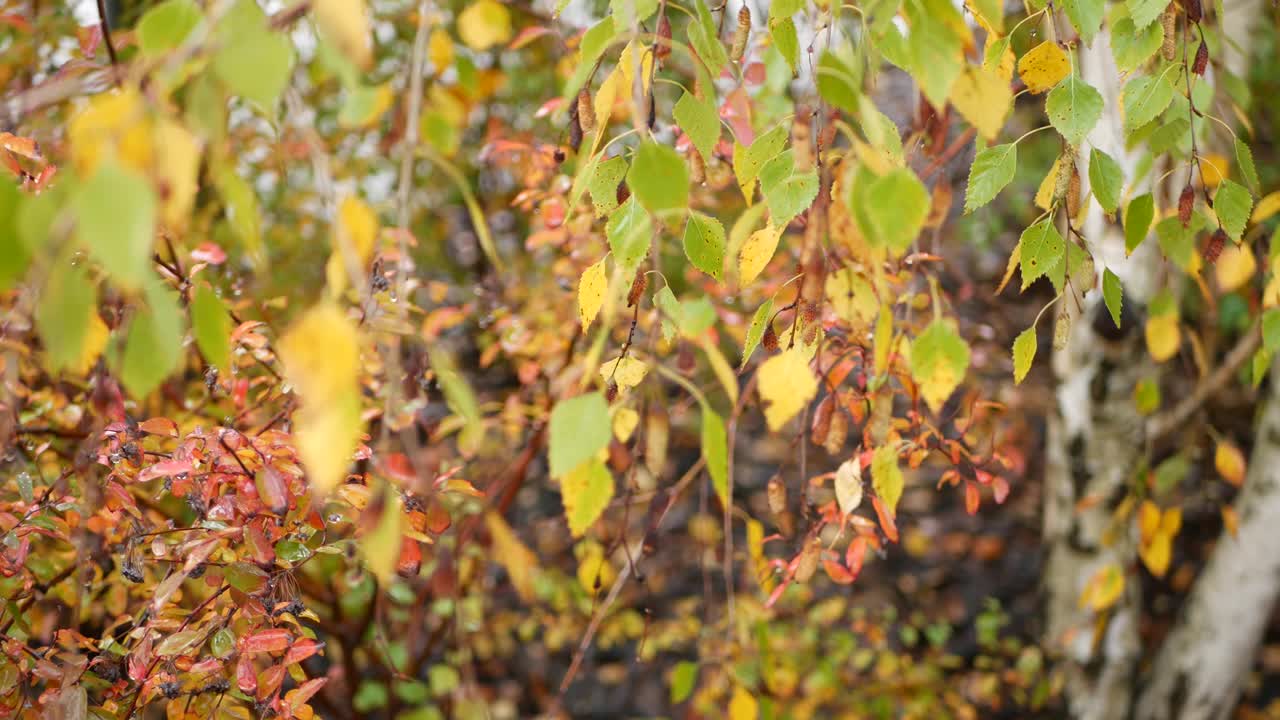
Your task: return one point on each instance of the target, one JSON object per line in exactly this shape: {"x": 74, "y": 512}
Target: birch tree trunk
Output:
{"x": 1095, "y": 442}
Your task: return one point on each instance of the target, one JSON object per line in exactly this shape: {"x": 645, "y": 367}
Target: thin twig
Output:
{"x": 1164, "y": 423}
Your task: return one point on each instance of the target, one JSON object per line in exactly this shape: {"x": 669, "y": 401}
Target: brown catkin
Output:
{"x": 838, "y": 432}
{"x": 776, "y": 492}
{"x": 740, "y": 35}
{"x": 1213, "y": 248}
{"x": 1073, "y": 193}
{"x": 623, "y": 193}
{"x": 1169, "y": 21}
{"x": 1066, "y": 168}
{"x": 575, "y": 128}
{"x": 1186, "y": 203}
{"x": 697, "y": 168}
{"x": 1193, "y": 9}
{"x": 770, "y": 339}
{"x": 1061, "y": 331}
{"x": 807, "y": 564}
{"x": 586, "y": 111}
{"x": 821, "y": 426}
{"x": 637, "y": 288}
{"x": 662, "y": 47}
{"x": 1202, "y": 59}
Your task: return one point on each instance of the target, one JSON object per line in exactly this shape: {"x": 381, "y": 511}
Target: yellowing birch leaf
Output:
{"x": 1043, "y": 67}
{"x": 1235, "y": 267}
{"x": 517, "y": 559}
{"x": 380, "y": 545}
{"x": 742, "y": 706}
{"x": 624, "y": 423}
{"x": 756, "y": 253}
{"x": 1267, "y": 206}
{"x": 1104, "y": 588}
{"x": 1229, "y": 462}
{"x": 983, "y": 98}
{"x": 786, "y": 385}
{"x": 585, "y": 491}
{"x": 629, "y": 373}
{"x": 484, "y": 23}
{"x": 591, "y": 289}
{"x": 345, "y": 23}
{"x": 1163, "y": 336}
{"x": 96, "y": 334}
{"x": 1214, "y": 168}
{"x": 113, "y": 123}
{"x": 440, "y": 49}
{"x": 353, "y": 239}
{"x": 1157, "y": 554}
{"x": 321, "y": 355}
{"x": 886, "y": 477}
{"x": 1044, "y": 194}
{"x": 177, "y": 173}
{"x": 1004, "y": 65}
{"x": 939, "y": 361}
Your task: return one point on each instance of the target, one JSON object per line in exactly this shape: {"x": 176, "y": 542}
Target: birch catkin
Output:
{"x": 741, "y": 34}
{"x": 1169, "y": 21}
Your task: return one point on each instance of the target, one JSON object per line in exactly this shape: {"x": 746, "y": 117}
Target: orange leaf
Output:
{"x": 885, "y": 515}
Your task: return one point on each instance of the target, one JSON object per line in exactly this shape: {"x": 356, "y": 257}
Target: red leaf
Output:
{"x": 837, "y": 572}
{"x": 273, "y": 640}
{"x": 886, "y": 520}
{"x": 410, "y": 557}
{"x": 854, "y": 556}
{"x": 270, "y": 681}
{"x": 159, "y": 426}
{"x": 165, "y": 468}
{"x": 528, "y": 35}
{"x": 246, "y": 678}
{"x": 301, "y": 650}
{"x": 304, "y": 692}
{"x": 1000, "y": 489}
{"x": 208, "y": 252}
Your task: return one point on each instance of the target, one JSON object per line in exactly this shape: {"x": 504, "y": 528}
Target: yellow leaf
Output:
{"x": 1271, "y": 293}
{"x": 519, "y": 561}
{"x": 1230, "y": 521}
{"x": 629, "y": 373}
{"x": 786, "y": 385}
{"x": 1104, "y": 588}
{"x": 483, "y": 24}
{"x": 586, "y": 492}
{"x": 1235, "y": 267}
{"x": 625, "y": 421}
{"x": 720, "y": 366}
{"x": 353, "y": 239}
{"x": 1044, "y": 195}
{"x": 1007, "y": 58}
{"x": 743, "y": 706}
{"x": 380, "y": 544}
{"x": 1229, "y": 462}
{"x": 95, "y": 341}
{"x": 883, "y": 339}
{"x": 1214, "y": 168}
{"x": 594, "y": 569}
{"x": 1015, "y": 259}
{"x": 983, "y": 98}
{"x": 1043, "y": 67}
{"x": 852, "y": 297}
{"x": 756, "y": 253}
{"x": 321, "y": 355}
{"x": 1148, "y": 520}
{"x": 177, "y": 173}
{"x": 627, "y": 66}
{"x": 345, "y": 23}
{"x": 440, "y": 49}
{"x": 1171, "y": 521}
{"x": 114, "y": 123}
{"x": 1163, "y": 336}
{"x": 591, "y": 288}
{"x": 1157, "y": 554}
{"x": 886, "y": 477}
{"x": 1267, "y": 206}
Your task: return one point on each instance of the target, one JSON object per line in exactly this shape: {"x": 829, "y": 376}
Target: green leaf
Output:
{"x": 1177, "y": 242}
{"x": 1145, "y": 12}
{"x": 629, "y": 231}
{"x": 700, "y": 121}
{"x": 579, "y": 429}
{"x": 292, "y": 552}
{"x": 1144, "y": 98}
{"x": 897, "y": 205}
{"x": 627, "y": 11}
{"x": 838, "y": 82}
{"x": 992, "y": 11}
{"x": 704, "y": 244}
{"x": 1232, "y": 204}
{"x": 1042, "y": 250}
{"x": 935, "y": 47}
{"x": 211, "y": 325}
{"x": 242, "y": 208}
{"x": 1271, "y": 330}
{"x": 1074, "y": 108}
{"x": 939, "y": 361}
{"x": 179, "y": 643}
{"x": 786, "y": 40}
{"x": 787, "y": 191}
{"x": 658, "y": 178}
{"x": 594, "y": 42}
{"x": 14, "y": 255}
{"x": 459, "y": 396}
{"x": 993, "y": 169}
{"x": 254, "y": 62}
{"x": 116, "y": 218}
{"x": 886, "y": 477}
{"x": 603, "y": 184}
{"x": 684, "y": 677}
{"x": 715, "y": 450}
{"x": 705, "y": 39}
{"x": 62, "y": 316}
{"x": 1106, "y": 179}
{"x": 1085, "y": 15}
{"x": 586, "y": 491}
{"x": 1249, "y": 171}
{"x": 1112, "y": 295}
{"x": 881, "y": 132}
{"x": 1024, "y": 352}
{"x": 755, "y": 330}
{"x": 153, "y": 347}
{"x": 166, "y": 25}
{"x": 1132, "y": 47}
{"x": 223, "y": 643}
{"x": 747, "y": 161}
{"x": 1137, "y": 221}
